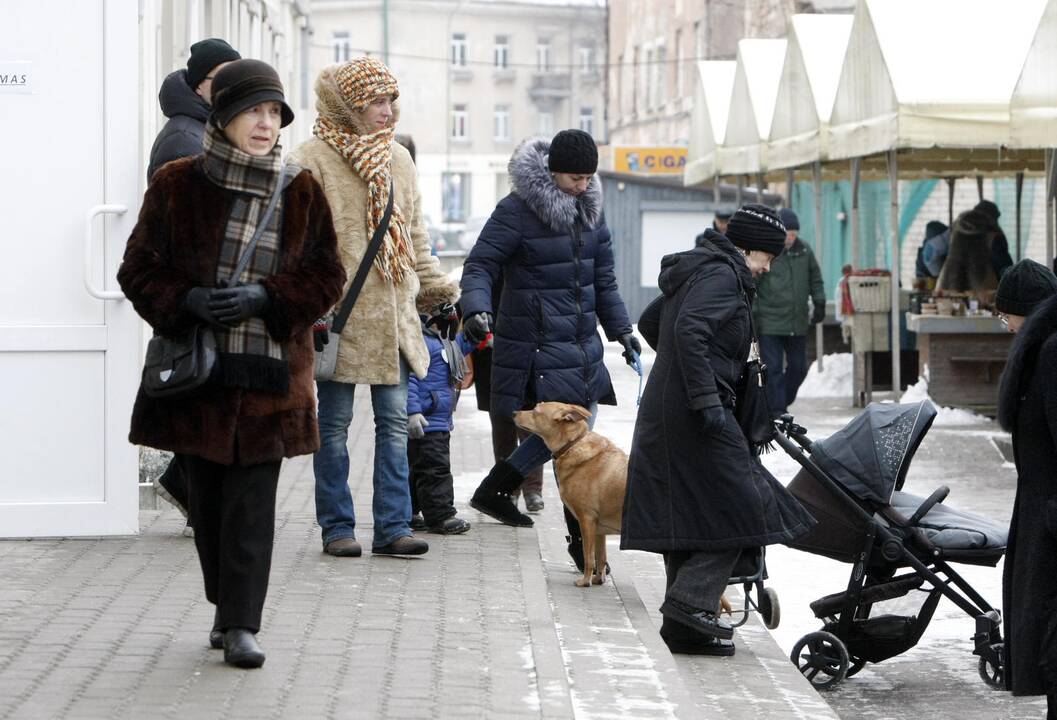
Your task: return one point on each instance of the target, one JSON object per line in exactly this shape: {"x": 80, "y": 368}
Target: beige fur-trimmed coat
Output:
{"x": 384, "y": 323}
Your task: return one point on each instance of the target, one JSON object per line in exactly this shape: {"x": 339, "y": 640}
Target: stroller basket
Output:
{"x": 831, "y": 605}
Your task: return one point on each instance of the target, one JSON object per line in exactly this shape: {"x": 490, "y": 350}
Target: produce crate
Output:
{"x": 870, "y": 293}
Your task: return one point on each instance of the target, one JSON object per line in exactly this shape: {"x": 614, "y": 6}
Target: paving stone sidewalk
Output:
{"x": 488, "y": 624}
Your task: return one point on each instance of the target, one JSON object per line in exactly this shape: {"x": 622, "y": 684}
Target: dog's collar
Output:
{"x": 567, "y": 446}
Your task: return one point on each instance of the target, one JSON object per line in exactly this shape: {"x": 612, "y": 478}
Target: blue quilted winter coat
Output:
{"x": 556, "y": 260}
{"x": 434, "y": 396}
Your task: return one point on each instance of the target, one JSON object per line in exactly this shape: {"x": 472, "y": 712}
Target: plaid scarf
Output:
{"x": 249, "y": 357}
{"x": 371, "y": 158}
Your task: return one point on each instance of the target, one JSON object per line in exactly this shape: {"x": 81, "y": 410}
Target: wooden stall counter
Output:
{"x": 965, "y": 356}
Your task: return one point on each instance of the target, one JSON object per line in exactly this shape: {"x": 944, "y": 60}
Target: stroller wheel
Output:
{"x": 990, "y": 667}
{"x": 857, "y": 664}
{"x": 770, "y": 609}
{"x": 822, "y": 658}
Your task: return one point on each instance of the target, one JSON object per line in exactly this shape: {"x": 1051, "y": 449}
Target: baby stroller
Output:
{"x": 852, "y": 484}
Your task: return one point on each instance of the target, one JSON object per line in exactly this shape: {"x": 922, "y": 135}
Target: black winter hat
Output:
{"x": 724, "y": 214}
{"x": 934, "y": 228}
{"x": 1023, "y": 287}
{"x": 988, "y": 208}
{"x": 757, "y": 227}
{"x": 206, "y": 55}
{"x": 243, "y": 84}
{"x": 789, "y": 219}
{"x": 573, "y": 151}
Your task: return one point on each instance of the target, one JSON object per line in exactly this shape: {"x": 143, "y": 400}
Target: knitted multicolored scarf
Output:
{"x": 371, "y": 158}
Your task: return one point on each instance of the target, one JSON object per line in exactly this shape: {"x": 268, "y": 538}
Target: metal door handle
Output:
{"x": 110, "y": 209}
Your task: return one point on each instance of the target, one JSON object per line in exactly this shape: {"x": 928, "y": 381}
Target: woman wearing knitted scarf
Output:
{"x": 194, "y": 236}
{"x": 354, "y": 157}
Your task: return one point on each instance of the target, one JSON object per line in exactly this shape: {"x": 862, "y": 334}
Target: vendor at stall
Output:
{"x": 978, "y": 252}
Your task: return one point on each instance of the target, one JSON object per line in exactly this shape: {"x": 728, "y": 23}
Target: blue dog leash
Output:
{"x": 636, "y": 363}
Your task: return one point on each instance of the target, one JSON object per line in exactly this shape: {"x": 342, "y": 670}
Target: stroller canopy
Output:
{"x": 871, "y": 454}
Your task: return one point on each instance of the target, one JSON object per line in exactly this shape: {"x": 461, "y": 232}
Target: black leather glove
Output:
{"x": 818, "y": 314}
{"x": 632, "y": 347}
{"x": 713, "y": 419}
{"x": 320, "y": 334}
{"x": 476, "y": 327}
{"x": 196, "y": 302}
{"x": 232, "y": 305}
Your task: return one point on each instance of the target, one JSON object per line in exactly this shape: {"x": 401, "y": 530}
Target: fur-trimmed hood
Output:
{"x": 531, "y": 180}
{"x": 1040, "y": 326}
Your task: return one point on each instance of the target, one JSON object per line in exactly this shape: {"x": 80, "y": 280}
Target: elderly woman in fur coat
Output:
{"x": 354, "y": 157}
{"x": 549, "y": 241}
{"x": 1027, "y": 408}
{"x": 230, "y": 435}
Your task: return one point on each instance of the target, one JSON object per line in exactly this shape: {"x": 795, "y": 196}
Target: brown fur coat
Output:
{"x": 173, "y": 248}
{"x": 384, "y": 324}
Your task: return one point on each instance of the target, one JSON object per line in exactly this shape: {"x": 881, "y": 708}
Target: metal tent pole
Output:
{"x": 979, "y": 187}
{"x": 856, "y": 166}
{"x": 950, "y": 200}
{"x": 893, "y": 221}
{"x": 816, "y": 177}
{"x": 740, "y": 190}
{"x": 715, "y": 193}
{"x": 1051, "y": 181}
{"x": 1020, "y": 198}
{"x": 759, "y": 187}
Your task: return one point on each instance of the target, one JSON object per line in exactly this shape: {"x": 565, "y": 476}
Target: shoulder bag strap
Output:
{"x": 262, "y": 225}
{"x": 365, "y": 267}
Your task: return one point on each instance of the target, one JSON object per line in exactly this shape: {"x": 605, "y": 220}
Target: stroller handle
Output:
{"x": 938, "y": 495}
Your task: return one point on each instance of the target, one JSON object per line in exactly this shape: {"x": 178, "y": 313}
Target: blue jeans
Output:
{"x": 392, "y": 499}
{"x": 786, "y": 359}
{"x": 533, "y": 453}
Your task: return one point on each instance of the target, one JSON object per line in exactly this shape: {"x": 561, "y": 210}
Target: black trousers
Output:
{"x": 698, "y": 578}
{"x": 232, "y": 508}
{"x": 432, "y": 486}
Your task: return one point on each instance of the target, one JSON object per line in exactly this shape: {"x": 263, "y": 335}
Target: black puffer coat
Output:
{"x": 688, "y": 490}
{"x": 556, "y": 260}
{"x": 182, "y": 135}
{"x": 1027, "y": 407}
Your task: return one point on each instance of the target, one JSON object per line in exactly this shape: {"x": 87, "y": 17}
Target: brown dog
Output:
{"x": 592, "y": 473}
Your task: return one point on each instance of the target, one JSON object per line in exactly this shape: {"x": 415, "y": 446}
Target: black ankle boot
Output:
{"x": 493, "y": 496}
{"x": 241, "y": 649}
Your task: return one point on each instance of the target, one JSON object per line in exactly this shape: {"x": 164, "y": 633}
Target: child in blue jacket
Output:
{"x": 430, "y": 405}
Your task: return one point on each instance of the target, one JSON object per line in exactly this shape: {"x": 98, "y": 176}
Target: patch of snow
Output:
{"x": 945, "y": 415}
{"x": 835, "y": 380}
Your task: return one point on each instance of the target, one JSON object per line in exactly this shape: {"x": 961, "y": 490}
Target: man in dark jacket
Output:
{"x": 781, "y": 315}
{"x": 185, "y": 97}
{"x": 549, "y": 241}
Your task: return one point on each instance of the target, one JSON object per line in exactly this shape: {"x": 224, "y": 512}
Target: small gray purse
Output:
{"x": 327, "y": 357}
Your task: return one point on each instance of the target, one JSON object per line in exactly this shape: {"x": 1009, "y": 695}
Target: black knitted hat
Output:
{"x": 988, "y": 208}
{"x": 757, "y": 227}
{"x": 573, "y": 151}
{"x": 789, "y": 219}
{"x": 1024, "y": 286}
{"x": 243, "y": 84}
{"x": 206, "y": 55}
{"x": 724, "y": 214}
{"x": 934, "y": 228}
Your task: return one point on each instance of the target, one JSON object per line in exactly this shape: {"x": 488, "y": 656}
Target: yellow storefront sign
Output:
{"x": 649, "y": 160}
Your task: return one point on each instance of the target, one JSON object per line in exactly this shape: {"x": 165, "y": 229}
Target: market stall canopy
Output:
{"x": 808, "y": 85}
{"x": 1033, "y": 108}
{"x": 934, "y": 74}
{"x": 708, "y": 119}
{"x": 752, "y": 100}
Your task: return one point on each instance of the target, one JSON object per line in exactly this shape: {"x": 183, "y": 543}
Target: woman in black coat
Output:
{"x": 695, "y": 492}
{"x": 1027, "y": 408}
{"x": 549, "y": 242}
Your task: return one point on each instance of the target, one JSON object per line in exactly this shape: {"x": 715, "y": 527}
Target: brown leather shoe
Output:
{"x": 343, "y": 547}
{"x": 406, "y": 545}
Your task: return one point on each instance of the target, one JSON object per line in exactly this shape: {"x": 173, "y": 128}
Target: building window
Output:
{"x": 456, "y": 196}
{"x": 680, "y": 91}
{"x": 661, "y": 71}
{"x": 342, "y": 46}
{"x": 502, "y": 52}
{"x": 648, "y": 77}
{"x": 587, "y": 59}
{"x": 545, "y": 124}
{"x": 543, "y": 55}
{"x": 587, "y": 120}
{"x": 699, "y": 41}
{"x": 458, "y": 49}
{"x": 502, "y": 185}
{"x": 501, "y": 126}
{"x": 621, "y": 100}
{"x": 635, "y": 80}
{"x": 460, "y": 123}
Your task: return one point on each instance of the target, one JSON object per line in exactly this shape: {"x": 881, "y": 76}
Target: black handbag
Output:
{"x": 179, "y": 364}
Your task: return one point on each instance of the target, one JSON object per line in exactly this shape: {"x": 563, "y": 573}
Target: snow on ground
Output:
{"x": 945, "y": 415}
{"x": 835, "y": 380}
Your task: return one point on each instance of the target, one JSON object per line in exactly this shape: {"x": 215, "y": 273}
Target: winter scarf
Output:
{"x": 457, "y": 367}
{"x": 249, "y": 357}
{"x": 530, "y": 179}
{"x": 344, "y": 91}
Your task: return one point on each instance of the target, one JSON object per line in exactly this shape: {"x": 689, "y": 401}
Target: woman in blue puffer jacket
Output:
{"x": 549, "y": 241}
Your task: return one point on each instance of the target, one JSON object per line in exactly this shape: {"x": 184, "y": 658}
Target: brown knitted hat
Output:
{"x": 362, "y": 80}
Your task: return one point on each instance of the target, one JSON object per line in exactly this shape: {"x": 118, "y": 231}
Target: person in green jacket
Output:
{"x": 781, "y": 315}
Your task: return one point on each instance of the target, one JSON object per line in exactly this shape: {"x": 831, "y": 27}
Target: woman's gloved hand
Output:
{"x": 632, "y": 347}
{"x": 477, "y": 326}
{"x": 713, "y": 419}
{"x": 196, "y": 302}
{"x": 232, "y": 305}
{"x": 818, "y": 314}
{"x": 416, "y": 426}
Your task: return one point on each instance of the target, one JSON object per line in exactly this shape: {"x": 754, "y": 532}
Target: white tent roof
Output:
{"x": 708, "y": 119}
{"x": 1033, "y": 108}
{"x": 930, "y": 73}
{"x": 810, "y": 73}
{"x": 759, "y": 68}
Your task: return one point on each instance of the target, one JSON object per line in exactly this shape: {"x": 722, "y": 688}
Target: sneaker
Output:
{"x": 452, "y": 526}
{"x": 343, "y": 547}
{"x": 418, "y": 522}
{"x": 406, "y": 545}
{"x": 533, "y": 502}
{"x": 705, "y": 622}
